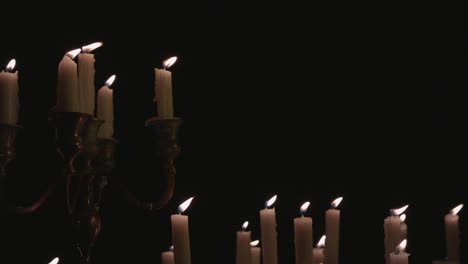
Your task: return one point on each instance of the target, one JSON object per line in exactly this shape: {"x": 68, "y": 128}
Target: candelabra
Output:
{"x": 87, "y": 170}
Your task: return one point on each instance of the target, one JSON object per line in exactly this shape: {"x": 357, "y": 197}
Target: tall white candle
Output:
{"x": 268, "y": 232}
{"x": 399, "y": 256}
{"x": 67, "y": 83}
{"x": 9, "y": 99}
{"x": 167, "y": 257}
{"x": 86, "y": 78}
{"x": 180, "y": 234}
{"x": 105, "y": 109}
{"x": 255, "y": 252}
{"x": 332, "y": 231}
{"x": 163, "y": 90}
{"x": 243, "y": 255}
{"x": 318, "y": 256}
{"x": 392, "y": 231}
{"x": 452, "y": 234}
{"x": 303, "y": 237}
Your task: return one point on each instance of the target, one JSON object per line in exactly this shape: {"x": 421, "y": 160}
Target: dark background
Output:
{"x": 310, "y": 103}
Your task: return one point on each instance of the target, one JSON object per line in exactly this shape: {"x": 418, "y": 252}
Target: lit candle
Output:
{"x": 452, "y": 234}
{"x": 303, "y": 237}
{"x": 105, "y": 109}
{"x": 268, "y": 232}
{"x": 163, "y": 90}
{"x": 243, "y": 254}
{"x": 255, "y": 252}
{"x": 9, "y": 100}
{"x": 180, "y": 234}
{"x": 54, "y": 261}
{"x": 332, "y": 231}
{"x": 67, "y": 83}
{"x": 86, "y": 78}
{"x": 392, "y": 230}
{"x": 167, "y": 257}
{"x": 399, "y": 256}
{"x": 318, "y": 256}
{"x": 403, "y": 226}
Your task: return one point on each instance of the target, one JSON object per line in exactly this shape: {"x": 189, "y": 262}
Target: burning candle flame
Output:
{"x": 399, "y": 211}
{"x": 110, "y": 81}
{"x": 254, "y": 243}
{"x": 11, "y": 65}
{"x": 73, "y": 53}
{"x": 169, "y": 62}
{"x": 304, "y": 207}
{"x": 401, "y": 247}
{"x": 321, "y": 243}
{"x": 171, "y": 248}
{"x": 271, "y": 201}
{"x": 54, "y": 261}
{"x": 457, "y": 209}
{"x": 183, "y": 206}
{"x": 245, "y": 225}
{"x": 402, "y": 218}
{"x": 92, "y": 46}
{"x": 336, "y": 202}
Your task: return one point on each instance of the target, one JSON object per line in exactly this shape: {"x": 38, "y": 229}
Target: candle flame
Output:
{"x": 401, "y": 247}
{"x": 73, "y": 53}
{"x": 11, "y": 65}
{"x": 399, "y": 211}
{"x": 457, "y": 209}
{"x": 304, "y": 207}
{"x": 91, "y": 47}
{"x": 110, "y": 81}
{"x": 402, "y": 218}
{"x": 245, "y": 225}
{"x": 183, "y": 206}
{"x": 271, "y": 201}
{"x": 336, "y": 202}
{"x": 171, "y": 248}
{"x": 254, "y": 243}
{"x": 54, "y": 261}
{"x": 169, "y": 62}
{"x": 321, "y": 243}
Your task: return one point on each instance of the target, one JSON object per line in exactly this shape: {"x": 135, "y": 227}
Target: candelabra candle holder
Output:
{"x": 88, "y": 163}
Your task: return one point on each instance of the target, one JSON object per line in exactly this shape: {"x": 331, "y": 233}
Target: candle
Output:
{"x": 67, "y": 83}
{"x": 9, "y": 100}
{"x": 243, "y": 254}
{"x": 86, "y": 78}
{"x": 54, "y": 261}
{"x": 403, "y": 226}
{"x": 317, "y": 253}
{"x": 255, "y": 252}
{"x": 392, "y": 231}
{"x": 167, "y": 257}
{"x": 163, "y": 90}
{"x": 268, "y": 232}
{"x": 332, "y": 231}
{"x": 105, "y": 109}
{"x": 399, "y": 256}
{"x": 303, "y": 237}
{"x": 452, "y": 234}
{"x": 180, "y": 234}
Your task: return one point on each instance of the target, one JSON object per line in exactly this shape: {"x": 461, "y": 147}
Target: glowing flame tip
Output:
{"x": 11, "y": 65}
{"x": 54, "y": 261}
{"x": 321, "y": 243}
{"x": 169, "y": 62}
{"x": 271, "y": 201}
{"x": 336, "y": 202}
{"x": 254, "y": 243}
{"x": 73, "y": 53}
{"x": 457, "y": 209}
{"x": 183, "y": 206}
{"x": 402, "y": 218}
{"x": 92, "y": 46}
{"x": 401, "y": 247}
{"x": 245, "y": 225}
{"x": 171, "y": 248}
{"x": 399, "y": 211}
{"x": 110, "y": 81}
{"x": 304, "y": 207}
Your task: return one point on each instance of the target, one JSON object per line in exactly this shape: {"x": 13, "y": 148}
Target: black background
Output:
{"x": 365, "y": 101}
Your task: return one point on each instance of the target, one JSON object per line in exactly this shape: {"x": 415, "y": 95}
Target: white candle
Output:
{"x": 67, "y": 84}
{"x": 268, "y": 232}
{"x": 452, "y": 234}
{"x": 318, "y": 256}
{"x": 86, "y": 78}
{"x": 303, "y": 237}
{"x": 399, "y": 256}
{"x": 9, "y": 99}
{"x": 167, "y": 257}
{"x": 180, "y": 235}
{"x": 392, "y": 231}
{"x": 163, "y": 90}
{"x": 403, "y": 227}
{"x": 105, "y": 109}
{"x": 243, "y": 255}
{"x": 332, "y": 231}
{"x": 255, "y": 252}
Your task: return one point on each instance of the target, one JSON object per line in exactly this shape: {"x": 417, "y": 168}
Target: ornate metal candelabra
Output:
{"x": 87, "y": 169}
